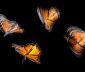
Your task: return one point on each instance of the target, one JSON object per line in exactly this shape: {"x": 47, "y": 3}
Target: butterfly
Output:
{"x": 48, "y": 16}
{"x": 76, "y": 39}
{"x": 9, "y": 27}
{"x": 30, "y": 51}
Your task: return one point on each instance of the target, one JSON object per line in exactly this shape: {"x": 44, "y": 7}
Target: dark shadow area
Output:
{"x": 55, "y": 50}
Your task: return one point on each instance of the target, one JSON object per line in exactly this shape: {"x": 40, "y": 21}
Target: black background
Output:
{"x": 55, "y": 49}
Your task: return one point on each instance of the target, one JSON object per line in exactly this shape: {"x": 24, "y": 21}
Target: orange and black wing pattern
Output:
{"x": 9, "y": 27}
{"x": 5, "y": 25}
{"x": 48, "y": 16}
{"x": 76, "y": 39}
{"x": 30, "y": 51}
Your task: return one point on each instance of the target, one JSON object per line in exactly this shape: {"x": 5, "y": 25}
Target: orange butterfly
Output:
{"x": 30, "y": 51}
{"x": 76, "y": 40}
{"x": 9, "y": 27}
{"x": 48, "y": 17}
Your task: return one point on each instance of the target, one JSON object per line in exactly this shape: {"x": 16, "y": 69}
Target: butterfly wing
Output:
{"x": 77, "y": 40}
{"x": 54, "y": 14}
{"x": 34, "y": 54}
{"x": 2, "y": 18}
{"x": 40, "y": 15}
{"x": 20, "y": 49}
{"x": 77, "y": 50}
{"x": 43, "y": 14}
{"x": 15, "y": 28}
{"x": 5, "y": 25}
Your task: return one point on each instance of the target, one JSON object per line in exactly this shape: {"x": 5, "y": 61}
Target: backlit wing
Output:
{"x": 34, "y": 54}
{"x": 76, "y": 40}
{"x": 48, "y": 16}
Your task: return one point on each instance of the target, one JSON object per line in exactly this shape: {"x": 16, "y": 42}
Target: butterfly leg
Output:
{"x": 24, "y": 59}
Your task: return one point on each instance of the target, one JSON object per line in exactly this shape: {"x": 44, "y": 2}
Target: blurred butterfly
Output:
{"x": 48, "y": 17}
{"x": 9, "y": 27}
{"x": 76, "y": 39}
{"x": 30, "y": 51}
